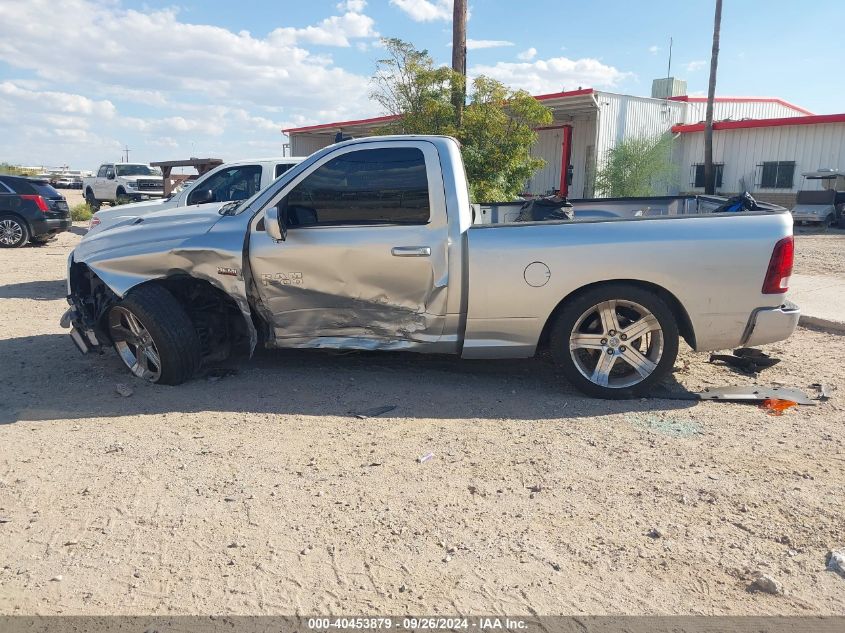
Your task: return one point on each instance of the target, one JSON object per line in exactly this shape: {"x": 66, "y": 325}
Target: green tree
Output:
{"x": 496, "y": 130}
{"x": 638, "y": 167}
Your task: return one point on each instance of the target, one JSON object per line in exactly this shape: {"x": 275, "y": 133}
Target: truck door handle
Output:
{"x": 411, "y": 251}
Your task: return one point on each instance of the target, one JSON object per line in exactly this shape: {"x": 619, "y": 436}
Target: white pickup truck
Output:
{"x": 122, "y": 182}
{"x": 233, "y": 181}
{"x": 370, "y": 244}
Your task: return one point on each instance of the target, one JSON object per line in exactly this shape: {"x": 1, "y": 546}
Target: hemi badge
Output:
{"x": 232, "y": 272}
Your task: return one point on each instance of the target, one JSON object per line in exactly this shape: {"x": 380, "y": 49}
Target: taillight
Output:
{"x": 95, "y": 221}
{"x": 40, "y": 202}
{"x": 780, "y": 267}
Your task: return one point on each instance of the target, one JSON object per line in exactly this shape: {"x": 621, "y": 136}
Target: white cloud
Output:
{"x": 355, "y": 6}
{"x": 528, "y": 54}
{"x": 126, "y": 76}
{"x": 333, "y": 31}
{"x": 474, "y": 45}
{"x": 425, "y": 10}
{"x": 695, "y": 66}
{"x": 553, "y": 75}
{"x": 654, "y": 49}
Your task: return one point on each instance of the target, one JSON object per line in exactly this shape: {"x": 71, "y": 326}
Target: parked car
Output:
{"x": 30, "y": 211}
{"x": 122, "y": 182}
{"x": 369, "y": 244}
{"x": 232, "y": 181}
{"x": 64, "y": 182}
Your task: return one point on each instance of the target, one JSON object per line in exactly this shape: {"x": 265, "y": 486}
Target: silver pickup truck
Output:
{"x": 370, "y": 244}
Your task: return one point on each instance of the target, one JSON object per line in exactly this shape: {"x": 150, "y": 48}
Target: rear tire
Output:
{"x": 14, "y": 232}
{"x": 93, "y": 203}
{"x": 615, "y": 341}
{"x": 154, "y": 336}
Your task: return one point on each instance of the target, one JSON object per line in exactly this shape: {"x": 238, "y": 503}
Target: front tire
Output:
{"x": 154, "y": 336}
{"x": 615, "y": 341}
{"x": 14, "y": 232}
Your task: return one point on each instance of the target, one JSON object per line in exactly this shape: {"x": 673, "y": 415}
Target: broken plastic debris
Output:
{"x": 425, "y": 458}
{"x": 776, "y": 406}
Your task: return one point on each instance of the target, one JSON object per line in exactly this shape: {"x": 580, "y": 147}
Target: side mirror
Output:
{"x": 202, "y": 196}
{"x": 110, "y": 175}
{"x": 276, "y": 224}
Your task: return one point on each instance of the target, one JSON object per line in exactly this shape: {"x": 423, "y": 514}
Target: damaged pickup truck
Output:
{"x": 369, "y": 244}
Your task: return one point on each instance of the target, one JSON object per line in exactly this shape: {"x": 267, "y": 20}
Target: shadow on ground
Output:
{"x": 45, "y": 378}
{"x": 38, "y": 290}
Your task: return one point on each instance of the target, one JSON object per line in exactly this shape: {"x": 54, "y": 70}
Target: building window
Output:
{"x": 698, "y": 174}
{"x": 777, "y": 174}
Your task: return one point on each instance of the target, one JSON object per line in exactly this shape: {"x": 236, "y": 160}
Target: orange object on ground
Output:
{"x": 776, "y": 406}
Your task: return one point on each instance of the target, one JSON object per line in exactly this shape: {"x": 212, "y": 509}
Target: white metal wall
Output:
{"x": 737, "y": 110}
{"x": 549, "y": 148}
{"x": 810, "y": 146}
{"x": 625, "y": 116}
{"x": 305, "y": 144}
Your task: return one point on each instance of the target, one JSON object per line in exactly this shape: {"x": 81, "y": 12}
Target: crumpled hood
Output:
{"x": 158, "y": 231}
{"x": 194, "y": 241}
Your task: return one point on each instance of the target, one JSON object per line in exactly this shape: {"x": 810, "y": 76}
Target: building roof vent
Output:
{"x": 668, "y": 87}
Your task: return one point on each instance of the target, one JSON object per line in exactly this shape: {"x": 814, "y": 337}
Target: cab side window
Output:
{"x": 373, "y": 186}
{"x": 281, "y": 168}
{"x": 233, "y": 183}
{"x": 102, "y": 172}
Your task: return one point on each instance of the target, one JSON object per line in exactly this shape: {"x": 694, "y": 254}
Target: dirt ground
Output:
{"x": 820, "y": 252}
{"x": 260, "y": 492}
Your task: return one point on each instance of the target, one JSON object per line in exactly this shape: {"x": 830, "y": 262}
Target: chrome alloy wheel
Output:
{"x": 11, "y": 232}
{"x": 134, "y": 344}
{"x": 616, "y": 344}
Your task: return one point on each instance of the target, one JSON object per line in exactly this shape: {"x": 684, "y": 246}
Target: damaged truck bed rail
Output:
{"x": 370, "y": 244}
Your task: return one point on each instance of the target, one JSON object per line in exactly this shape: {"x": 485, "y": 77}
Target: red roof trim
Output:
{"x": 816, "y": 119}
{"x": 394, "y": 117}
{"x": 559, "y": 95}
{"x": 328, "y": 126}
{"x": 786, "y": 104}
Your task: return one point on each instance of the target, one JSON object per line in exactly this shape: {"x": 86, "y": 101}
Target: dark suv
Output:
{"x": 30, "y": 211}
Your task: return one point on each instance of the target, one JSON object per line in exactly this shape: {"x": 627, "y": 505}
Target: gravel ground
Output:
{"x": 820, "y": 252}
{"x": 259, "y": 492}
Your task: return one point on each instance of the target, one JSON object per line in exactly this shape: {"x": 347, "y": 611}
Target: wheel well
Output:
{"x": 684, "y": 323}
{"x": 21, "y": 218}
{"x": 89, "y": 190}
{"x": 218, "y": 319}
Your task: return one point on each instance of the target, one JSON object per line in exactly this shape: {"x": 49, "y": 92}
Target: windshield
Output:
{"x": 136, "y": 170}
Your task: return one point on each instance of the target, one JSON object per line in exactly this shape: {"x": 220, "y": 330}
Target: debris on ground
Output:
{"x": 835, "y": 561}
{"x": 776, "y": 406}
{"x": 752, "y": 393}
{"x": 746, "y": 359}
{"x": 374, "y": 412}
{"x": 766, "y": 584}
{"x": 824, "y": 390}
{"x": 5, "y": 520}
{"x": 654, "y": 533}
{"x": 668, "y": 425}
{"x": 124, "y": 390}
{"x": 56, "y": 578}
{"x": 425, "y": 458}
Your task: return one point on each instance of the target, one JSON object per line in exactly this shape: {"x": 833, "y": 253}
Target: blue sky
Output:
{"x": 81, "y": 78}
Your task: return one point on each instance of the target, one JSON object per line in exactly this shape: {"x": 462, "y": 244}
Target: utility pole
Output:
{"x": 126, "y": 153}
{"x": 709, "y": 172}
{"x": 459, "y": 56}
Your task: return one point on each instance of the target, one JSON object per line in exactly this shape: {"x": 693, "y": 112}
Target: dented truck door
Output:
{"x": 364, "y": 262}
